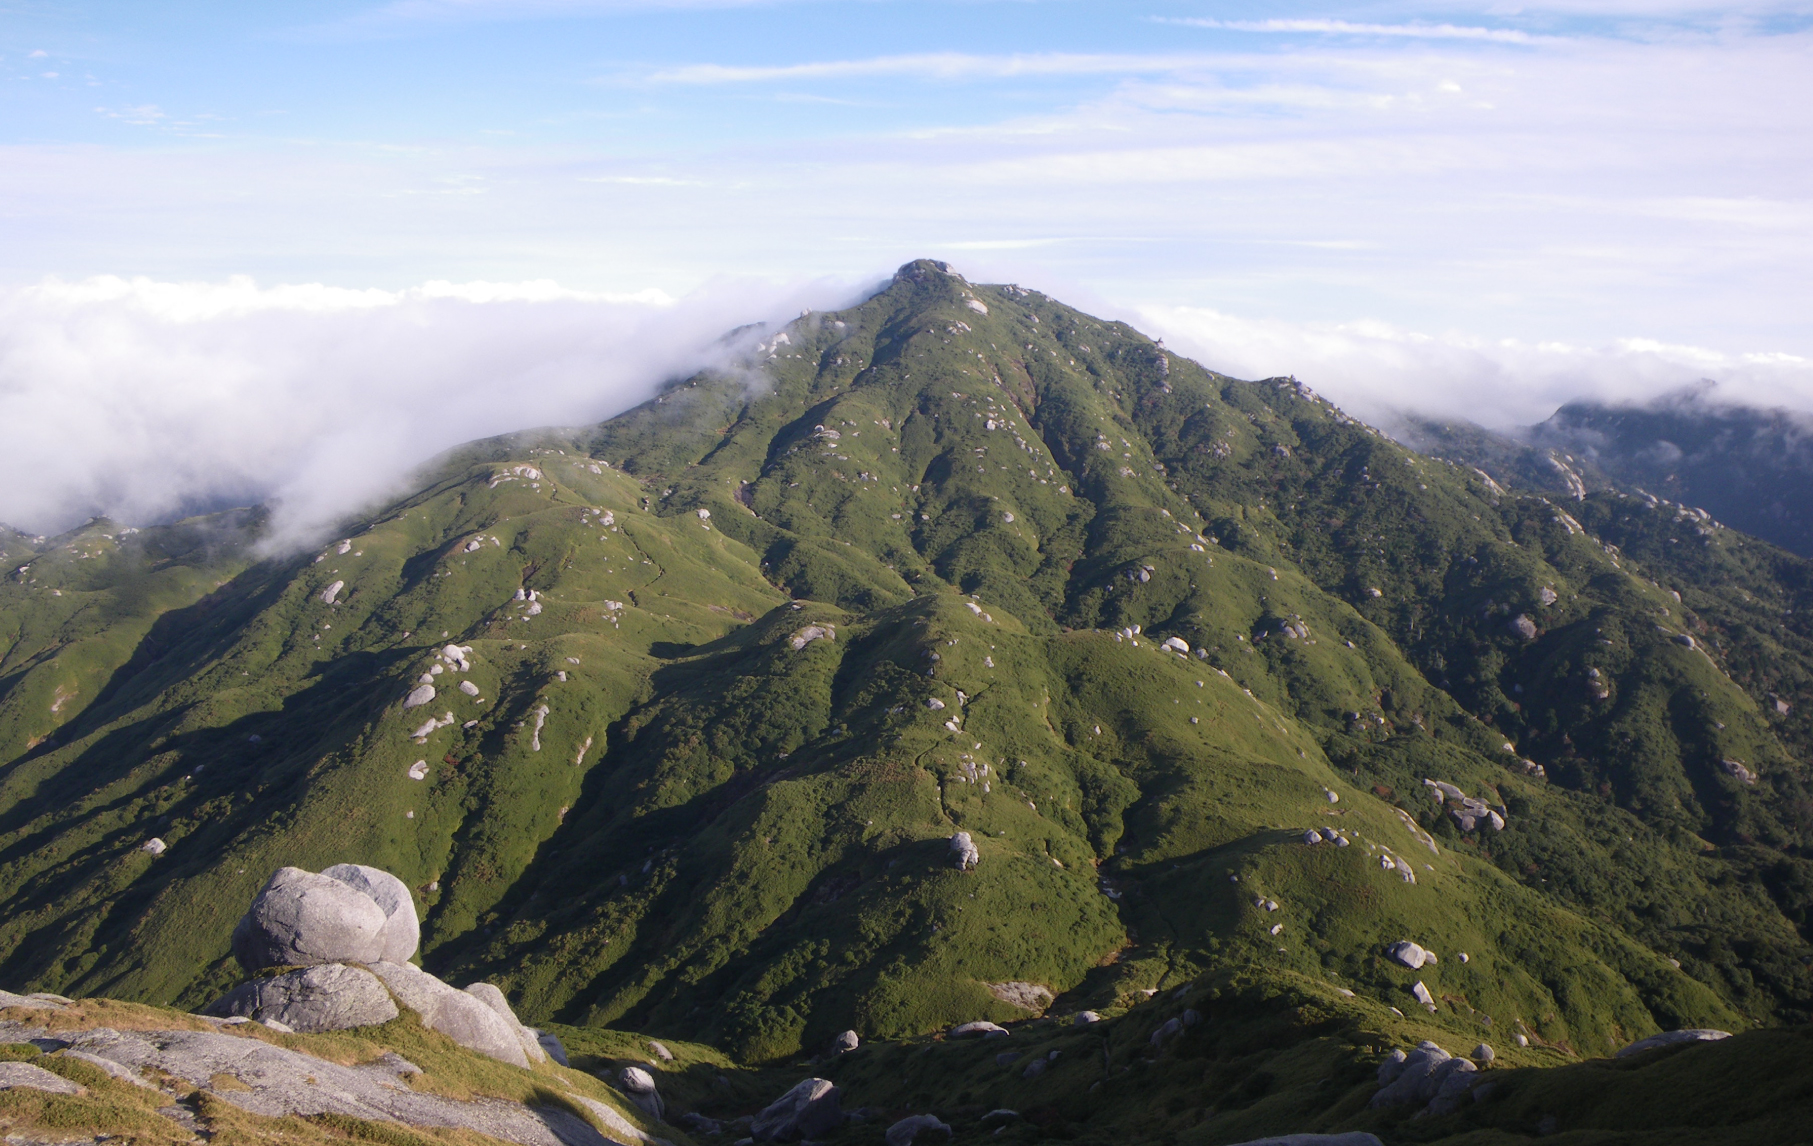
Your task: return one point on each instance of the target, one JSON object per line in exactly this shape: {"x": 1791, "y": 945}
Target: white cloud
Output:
{"x": 1347, "y": 28}
{"x": 939, "y": 66}
{"x": 1377, "y": 371}
{"x": 140, "y": 399}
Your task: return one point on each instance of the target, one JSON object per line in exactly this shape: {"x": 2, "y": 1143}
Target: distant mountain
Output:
{"x": 1750, "y": 468}
{"x": 672, "y": 723}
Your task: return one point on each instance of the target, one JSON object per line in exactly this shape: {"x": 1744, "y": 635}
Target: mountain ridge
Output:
{"x": 681, "y": 809}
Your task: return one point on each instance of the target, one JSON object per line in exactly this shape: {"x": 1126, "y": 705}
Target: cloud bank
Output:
{"x": 1381, "y": 373}
{"x": 144, "y": 401}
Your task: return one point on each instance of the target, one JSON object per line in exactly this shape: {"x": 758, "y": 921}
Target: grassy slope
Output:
{"x": 724, "y": 838}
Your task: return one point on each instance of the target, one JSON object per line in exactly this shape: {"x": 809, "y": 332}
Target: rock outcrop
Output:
{"x": 464, "y": 1018}
{"x": 640, "y": 1086}
{"x": 402, "y": 928}
{"x": 1428, "y": 1076}
{"x": 963, "y": 852}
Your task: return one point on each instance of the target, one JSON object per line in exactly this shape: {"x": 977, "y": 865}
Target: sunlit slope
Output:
{"x": 700, "y": 784}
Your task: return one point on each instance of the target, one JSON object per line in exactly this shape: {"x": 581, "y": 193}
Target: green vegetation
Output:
{"x": 656, "y": 813}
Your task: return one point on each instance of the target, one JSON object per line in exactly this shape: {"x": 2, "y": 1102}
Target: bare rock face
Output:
{"x": 810, "y": 1110}
{"x": 25, "y": 1076}
{"x": 326, "y": 997}
{"x": 461, "y": 1017}
{"x": 402, "y": 930}
{"x": 300, "y": 919}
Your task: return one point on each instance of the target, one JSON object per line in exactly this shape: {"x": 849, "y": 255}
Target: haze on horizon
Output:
{"x": 254, "y": 250}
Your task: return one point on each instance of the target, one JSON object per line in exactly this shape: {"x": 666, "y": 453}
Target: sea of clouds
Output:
{"x": 144, "y": 401}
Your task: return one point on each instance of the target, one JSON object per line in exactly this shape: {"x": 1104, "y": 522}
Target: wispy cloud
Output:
{"x": 937, "y": 66}
{"x": 145, "y": 114}
{"x": 1348, "y": 28}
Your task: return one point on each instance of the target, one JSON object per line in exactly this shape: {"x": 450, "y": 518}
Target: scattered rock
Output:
{"x": 640, "y": 1086}
{"x": 419, "y": 696}
{"x": 468, "y": 688}
{"x": 328, "y": 594}
{"x": 1546, "y": 596}
{"x": 811, "y": 633}
{"x": 1421, "y": 993}
{"x": 1084, "y": 1018}
{"x": 1672, "y": 1038}
{"x": 1684, "y": 640}
{"x": 981, "y": 1027}
{"x": 845, "y": 1043}
{"x": 809, "y": 1110}
{"x": 1035, "y": 1068}
{"x": 155, "y": 846}
{"x": 1166, "y": 1031}
{"x": 1483, "y": 1053}
{"x": 1312, "y": 836}
{"x": 1736, "y": 768}
{"x": 1421, "y": 1076}
{"x": 1411, "y": 955}
{"x": 963, "y": 851}
{"x": 660, "y": 1051}
{"x": 1176, "y": 645}
{"x": 1026, "y": 996}
{"x": 26, "y": 1076}
{"x": 1523, "y": 627}
{"x": 907, "y": 1130}
{"x": 326, "y": 997}
{"x": 299, "y": 919}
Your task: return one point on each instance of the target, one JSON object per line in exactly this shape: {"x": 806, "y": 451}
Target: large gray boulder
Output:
{"x": 904, "y": 1132}
{"x": 811, "y": 1109}
{"x": 1415, "y": 1078}
{"x": 494, "y": 998}
{"x": 461, "y": 1017}
{"x": 326, "y": 997}
{"x": 981, "y": 1027}
{"x": 299, "y": 919}
{"x": 1412, "y": 955}
{"x": 402, "y": 930}
{"x": 1672, "y": 1038}
{"x": 551, "y": 1044}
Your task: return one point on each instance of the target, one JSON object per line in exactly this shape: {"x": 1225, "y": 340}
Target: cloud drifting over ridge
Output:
{"x": 143, "y": 400}
{"x": 1380, "y": 373}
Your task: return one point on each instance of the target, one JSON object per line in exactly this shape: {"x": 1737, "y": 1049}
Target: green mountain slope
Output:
{"x": 743, "y": 659}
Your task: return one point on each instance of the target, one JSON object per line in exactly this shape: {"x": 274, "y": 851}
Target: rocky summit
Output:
{"x": 954, "y": 717}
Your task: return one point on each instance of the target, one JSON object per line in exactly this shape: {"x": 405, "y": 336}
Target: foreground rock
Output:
{"x": 640, "y": 1086}
{"x": 1674, "y": 1038}
{"x": 460, "y": 1016}
{"x": 274, "y": 1081}
{"x": 330, "y": 997}
{"x": 810, "y": 1109}
{"x": 26, "y": 1076}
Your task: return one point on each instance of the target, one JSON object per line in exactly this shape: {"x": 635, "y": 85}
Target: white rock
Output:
{"x": 328, "y": 594}
{"x": 981, "y": 1027}
{"x": 419, "y": 696}
{"x": 963, "y": 851}
{"x": 418, "y": 770}
{"x": 1176, "y": 645}
{"x": 1422, "y": 995}
{"x": 155, "y": 846}
{"x": 468, "y": 688}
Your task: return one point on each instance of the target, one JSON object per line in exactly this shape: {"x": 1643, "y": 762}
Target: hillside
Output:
{"x": 669, "y": 721}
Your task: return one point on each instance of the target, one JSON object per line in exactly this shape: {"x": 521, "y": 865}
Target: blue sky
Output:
{"x": 1479, "y": 208}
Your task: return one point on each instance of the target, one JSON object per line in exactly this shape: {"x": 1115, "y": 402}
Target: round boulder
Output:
{"x": 402, "y": 930}
{"x": 300, "y": 919}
